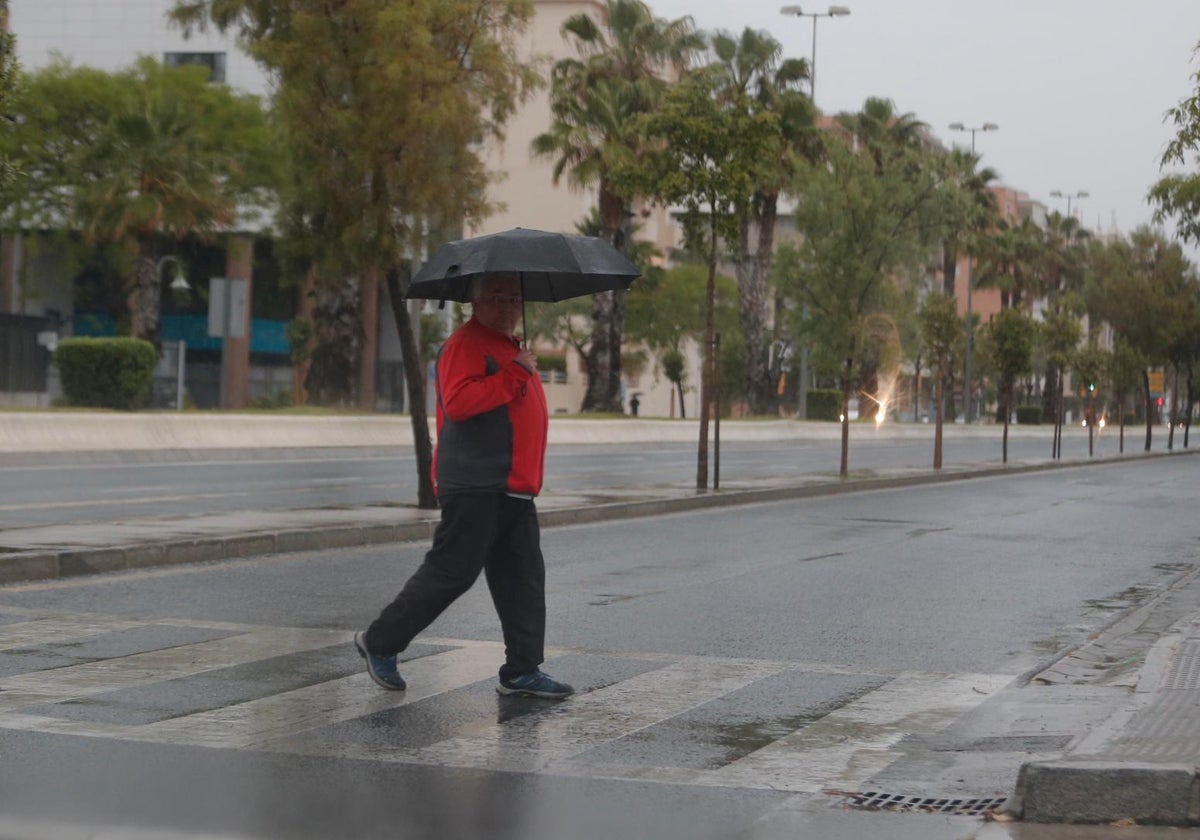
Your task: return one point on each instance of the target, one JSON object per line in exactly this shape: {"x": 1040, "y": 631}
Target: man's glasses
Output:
{"x": 505, "y": 300}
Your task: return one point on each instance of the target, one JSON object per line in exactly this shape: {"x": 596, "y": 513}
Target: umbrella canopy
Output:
{"x": 551, "y": 266}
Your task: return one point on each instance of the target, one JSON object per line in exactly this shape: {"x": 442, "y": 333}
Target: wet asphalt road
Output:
{"x": 772, "y": 615}
{"x": 43, "y": 489}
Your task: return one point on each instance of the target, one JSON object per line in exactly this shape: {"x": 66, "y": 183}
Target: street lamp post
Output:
{"x": 1068, "y": 197}
{"x": 968, "y": 390}
{"x": 797, "y": 11}
{"x": 831, "y": 12}
{"x": 179, "y": 285}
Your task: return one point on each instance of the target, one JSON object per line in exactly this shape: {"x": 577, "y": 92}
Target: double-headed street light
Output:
{"x": 1068, "y": 197}
{"x": 797, "y": 11}
{"x": 968, "y": 389}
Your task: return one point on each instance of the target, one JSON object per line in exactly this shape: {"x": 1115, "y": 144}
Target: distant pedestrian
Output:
{"x": 634, "y": 402}
{"x": 492, "y": 422}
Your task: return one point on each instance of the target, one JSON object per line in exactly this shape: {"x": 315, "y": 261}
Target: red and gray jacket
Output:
{"x": 491, "y": 416}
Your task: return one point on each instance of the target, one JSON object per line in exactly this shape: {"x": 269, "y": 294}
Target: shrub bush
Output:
{"x": 1029, "y": 415}
{"x": 824, "y": 403}
{"x": 106, "y": 372}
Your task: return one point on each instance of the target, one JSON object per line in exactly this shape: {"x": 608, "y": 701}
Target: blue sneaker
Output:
{"x": 381, "y": 668}
{"x": 535, "y": 684}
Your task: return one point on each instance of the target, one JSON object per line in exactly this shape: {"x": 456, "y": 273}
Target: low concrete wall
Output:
{"x": 73, "y": 431}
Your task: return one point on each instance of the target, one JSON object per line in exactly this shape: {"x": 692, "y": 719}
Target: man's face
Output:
{"x": 499, "y": 303}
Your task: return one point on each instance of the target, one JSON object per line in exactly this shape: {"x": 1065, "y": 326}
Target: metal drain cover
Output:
{"x": 872, "y": 801}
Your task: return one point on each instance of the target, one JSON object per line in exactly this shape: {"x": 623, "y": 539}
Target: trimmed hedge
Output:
{"x": 824, "y": 403}
{"x": 106, "y": 372}
{"x": 1029, "y": 415}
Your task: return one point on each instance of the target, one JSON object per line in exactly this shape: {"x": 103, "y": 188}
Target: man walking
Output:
{"x": 488, "y": 468}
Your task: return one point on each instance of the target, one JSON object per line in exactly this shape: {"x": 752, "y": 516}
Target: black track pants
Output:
{"x": 488, "y": 532}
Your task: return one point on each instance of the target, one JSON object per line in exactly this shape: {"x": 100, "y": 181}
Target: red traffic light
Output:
{"x": 1160, "y": 402}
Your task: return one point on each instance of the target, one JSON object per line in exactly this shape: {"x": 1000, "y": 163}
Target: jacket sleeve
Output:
{"x": 473, "y": 383}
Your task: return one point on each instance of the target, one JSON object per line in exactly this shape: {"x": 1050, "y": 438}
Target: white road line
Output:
{"x": 537, "y": 742}
{"x": 854, "y": 742}
{"x": 91, "y": 678}
{"x": 59, "y": 629}
{"x": 282, "y": 716}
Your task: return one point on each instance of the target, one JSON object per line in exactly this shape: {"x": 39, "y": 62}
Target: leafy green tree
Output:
{"x": 754, "y": 74}
{"x": 1089, "y": 364}
{"x": 136, "y": 156}
{"x": 10, "y": 75}
{"x": 1008, "y": 342}
{"x": 1177, "y": 195}
{"x": 867, "y": 220}
{"x": 970, "y": 214}
{"x": 1061, "y": 266}
{"x": 665, "y": 315}
{"x": 940, "y": 328}
{"x": 385, "y": 107}
{"x": 1124, "y": 374}
{"x": 1133, "y": 286}
{"x": 707, "y": 157}
{"x": 621, "y": 72}
{"x": 1060, "y": 336}
{"x": 1007, "y": 260}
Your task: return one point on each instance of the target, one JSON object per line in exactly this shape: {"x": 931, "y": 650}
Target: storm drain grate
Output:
{"x": 924, "y": 804}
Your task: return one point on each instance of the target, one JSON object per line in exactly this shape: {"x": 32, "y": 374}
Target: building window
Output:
{"x": 214, "y": 61}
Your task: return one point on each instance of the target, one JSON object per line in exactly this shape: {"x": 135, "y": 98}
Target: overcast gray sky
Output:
{"x": 1079, "y": 88}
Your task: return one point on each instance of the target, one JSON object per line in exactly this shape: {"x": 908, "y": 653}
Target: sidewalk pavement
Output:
{"x": 1140, "y": 765}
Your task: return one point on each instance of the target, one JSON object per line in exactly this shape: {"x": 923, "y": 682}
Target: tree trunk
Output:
{"x": 1049, "y": 389}
{"x": 1121, "y": 436}
{"x": 1008, "y": 389}
{"x": 753, "y": 271}
{"x": 1173, "y": 410}
{"x": 608, "y": 313}
{"x": 414, "y": 379}
{"x": 706, "y": 370}
{"x": 598, "y": 362}
{"x": 682, "y": 411}
{"x": 949, "y": 268}
{"x": 844, "y": 467}
{"x": 368, "y": 301}
{"x": 144, "y": 294}
{"x": 939, "y": 395}
{"x": 917, "y": 389}
{"x": 1149, "y": 405}
{"x": 302, "y": 356}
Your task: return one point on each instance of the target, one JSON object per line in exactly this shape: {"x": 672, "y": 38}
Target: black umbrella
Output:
{"x": 551, "y": 266}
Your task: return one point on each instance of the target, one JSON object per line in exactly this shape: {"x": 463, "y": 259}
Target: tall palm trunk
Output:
{"x": 602, "y": 363}
{"x": 144, "y": 294}
{"x": 753, "y": 272}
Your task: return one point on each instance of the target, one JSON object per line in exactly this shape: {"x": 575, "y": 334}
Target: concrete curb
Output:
{"x": 1094, "y": 792}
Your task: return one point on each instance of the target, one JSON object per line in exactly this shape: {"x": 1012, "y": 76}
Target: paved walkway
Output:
{"x": 1141, "y": 764}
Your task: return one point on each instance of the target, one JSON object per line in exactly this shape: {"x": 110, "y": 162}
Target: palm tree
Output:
{"x": 753, "y": 73}
{"x": 1063, "y": 262}
{"x": 621, "y": 72}
{"x": 171, "y": 161}
{"x": 882, "y": 132}
{"x": 1008, "y": 257}
{"x": 1061, "y": 269}
{"x": 971, "y": 217}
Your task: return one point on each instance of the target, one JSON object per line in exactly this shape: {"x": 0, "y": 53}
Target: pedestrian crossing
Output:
{"x": 624, "y": 726}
